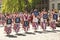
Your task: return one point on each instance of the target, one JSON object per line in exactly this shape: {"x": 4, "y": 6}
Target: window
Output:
{"x": 58, "y": 6}
{"x": 53, "y": 6}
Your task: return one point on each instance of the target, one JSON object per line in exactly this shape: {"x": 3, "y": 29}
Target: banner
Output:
{"x": 17, "y": 20}
{"x": 26, "y": 23}
{"x": 45, "y": 16}
{"x": 9, "y": 21}
{"x": 55, "y": 16}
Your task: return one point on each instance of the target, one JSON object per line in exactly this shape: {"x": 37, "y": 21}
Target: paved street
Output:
{"x": 28, "y": 12}
{"x": 48, "y": 35}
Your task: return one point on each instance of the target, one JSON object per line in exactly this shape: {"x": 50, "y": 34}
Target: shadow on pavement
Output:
{"x": 30, "y": 33}
{"x": 11, "y": 36}
{"x": 57, "y": 30}
{"x": 50, "y": 31}
{"x": 39, "y": 31}
{"x": 47, "y": 31}
{"x": 21, "y": 34}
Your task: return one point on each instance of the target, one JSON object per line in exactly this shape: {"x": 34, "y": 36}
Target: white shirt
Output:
{"x": 35, "y": 19}
{"x": 8, "y": 25}
{"x": 42, "y": 20}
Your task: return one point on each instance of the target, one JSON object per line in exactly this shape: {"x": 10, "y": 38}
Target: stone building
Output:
{"x": 54, "y": 4}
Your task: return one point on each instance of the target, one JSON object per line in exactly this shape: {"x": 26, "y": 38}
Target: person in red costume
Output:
{"x": 8, "y": 26}
{"x": 26, "y": 21}
{"x": 16, "y": 23}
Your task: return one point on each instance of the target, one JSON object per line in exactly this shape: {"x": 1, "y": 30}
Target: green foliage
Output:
{"x": 11, "y": 6}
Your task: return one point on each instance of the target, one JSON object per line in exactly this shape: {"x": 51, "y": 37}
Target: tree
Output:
{"x": 11, "y": 6}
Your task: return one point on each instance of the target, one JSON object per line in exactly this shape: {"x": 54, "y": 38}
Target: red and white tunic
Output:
{"x": 26, "y": 17}
{"x": 35, "y": 22}
{"x": 43, "y": 24}
{"x": 52, "y": 22}
{"x": 26, "y": 20}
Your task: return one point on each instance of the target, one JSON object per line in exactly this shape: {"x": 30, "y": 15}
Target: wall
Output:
{"x": 55, "y": 2}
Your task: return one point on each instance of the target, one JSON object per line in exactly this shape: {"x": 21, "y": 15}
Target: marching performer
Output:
{"x": 16, "y": 23}
{"x": 8, "y": 27}
{"x": 26, "y": 22}
{"x": 43, "y": 17}
{"x": 53, "y": 18}
{"x": 35, "y": 22}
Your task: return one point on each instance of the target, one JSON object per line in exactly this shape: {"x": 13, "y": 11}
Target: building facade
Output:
{"x": 44, "y": 4}
{"x": 48, "y": 4}
{"x": 54, "y": 4}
